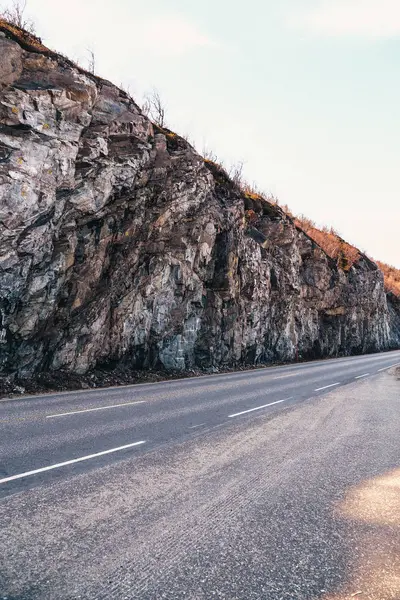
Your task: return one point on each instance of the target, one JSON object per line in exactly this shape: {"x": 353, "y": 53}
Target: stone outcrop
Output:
{"x": 118, "y": 242}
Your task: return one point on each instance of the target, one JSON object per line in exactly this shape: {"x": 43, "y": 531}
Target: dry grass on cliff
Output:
{"x": 32, "y": 43}
{"x": 345, "y": 254}
{"x": 27, "y": 40}
{"x": 392, "y": 277}
{"x": 330, "y": 241}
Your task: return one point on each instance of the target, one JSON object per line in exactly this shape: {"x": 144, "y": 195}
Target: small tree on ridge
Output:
{"x": 15, "y": 14}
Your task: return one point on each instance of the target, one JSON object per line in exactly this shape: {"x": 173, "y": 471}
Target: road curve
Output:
{"x": 233, "y": 486}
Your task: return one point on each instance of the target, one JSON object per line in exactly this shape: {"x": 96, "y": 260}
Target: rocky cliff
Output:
{"x": 120, "y": 243}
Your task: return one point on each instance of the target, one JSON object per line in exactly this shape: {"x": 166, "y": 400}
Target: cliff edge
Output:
{"x": 119, "y": 243}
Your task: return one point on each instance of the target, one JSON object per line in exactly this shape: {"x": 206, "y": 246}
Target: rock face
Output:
{"x": 120, "y": 243}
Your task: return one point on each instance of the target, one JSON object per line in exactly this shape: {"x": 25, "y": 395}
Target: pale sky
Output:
{"x": 305, "y": 92}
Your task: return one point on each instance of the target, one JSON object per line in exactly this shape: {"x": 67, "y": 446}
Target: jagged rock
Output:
{"x": 120, "y": 244}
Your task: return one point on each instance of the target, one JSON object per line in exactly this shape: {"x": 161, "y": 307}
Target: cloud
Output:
{"x": 363, "y": 18}
{"x": 168, "y": 35}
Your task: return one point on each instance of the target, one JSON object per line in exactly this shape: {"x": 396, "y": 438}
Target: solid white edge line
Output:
{"x": 69, "y": 462}
{"x": 243, "y": 412}
{"x": 75, "y": 412}
{"x": 389, "y": 367}
{"x": 361, "y": 376}
{"x": 327, "y": 386}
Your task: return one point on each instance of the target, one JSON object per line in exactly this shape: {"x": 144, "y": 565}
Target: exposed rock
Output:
{"x": 120, "y": 244}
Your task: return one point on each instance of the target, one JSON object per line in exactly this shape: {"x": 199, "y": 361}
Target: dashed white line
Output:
{"x": 195, "y": 426}
{"x": 361, "y": 376}
{"x": 243, "y": 412}
{"x": 69, "y": 462}
{"x": 327, "y": 386}
{"x": 75, "y": 412}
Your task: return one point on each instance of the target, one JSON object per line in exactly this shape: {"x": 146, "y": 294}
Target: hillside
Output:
{"x": 121, "y": 245}
{"x": 344, "y": 253}
{"x": 392, "y": 278}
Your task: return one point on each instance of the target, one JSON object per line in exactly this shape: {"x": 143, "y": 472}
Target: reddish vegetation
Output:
{"x": 331, "y": 242}
{"x": 27, "y": 40}
{"x": 345, "y": 254}
{"x": 392, "y": 278}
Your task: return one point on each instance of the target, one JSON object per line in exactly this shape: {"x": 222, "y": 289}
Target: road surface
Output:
{"x": 278, "y": 483}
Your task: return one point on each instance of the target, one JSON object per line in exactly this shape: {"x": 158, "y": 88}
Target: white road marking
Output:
{"x": 75, "y": 412}
{"x": 69, "y": 462}
{"x": 389, "y": 367}
{"x": 327, "y": 386}
{"x": 195, "y": 426}
{"x": 361, "y": 376}
{"x": 285, "y": 376}
{"x": 258, "y": 408}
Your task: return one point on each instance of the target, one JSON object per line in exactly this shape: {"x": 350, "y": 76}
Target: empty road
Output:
{"x": 245, "y": 485}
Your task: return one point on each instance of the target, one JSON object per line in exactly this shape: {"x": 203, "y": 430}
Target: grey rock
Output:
{"x": 19, "y": 389}
{"x": 118, "y": 242}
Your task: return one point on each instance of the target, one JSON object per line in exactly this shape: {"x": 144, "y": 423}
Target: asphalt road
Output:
{"x": 277, "y": 483}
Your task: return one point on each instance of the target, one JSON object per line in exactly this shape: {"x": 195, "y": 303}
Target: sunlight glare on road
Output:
{"x": 373, "y": 506}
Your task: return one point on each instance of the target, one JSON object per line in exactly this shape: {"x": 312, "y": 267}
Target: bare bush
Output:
{"x": 154, "y": 108}
{"x": 126, "y": 89}
{"x": 253, "y": 190}
{"x": 209, "y": 155}
{"x": 236, "y": 173}
{"x": 287, "y": 210}
{"x": 91, "y": 61}
{"x": 15, "y": 14}
{"x": 189, "y": 139}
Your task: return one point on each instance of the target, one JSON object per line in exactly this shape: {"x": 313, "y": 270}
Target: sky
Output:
{"x": 306, "y": 93}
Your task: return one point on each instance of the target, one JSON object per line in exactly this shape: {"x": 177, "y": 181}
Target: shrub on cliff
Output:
{"x": 15, "y": 15}
{"x": 392, "y": 278}
{"x": 330, "y": 241}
